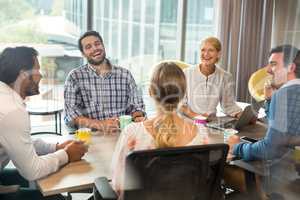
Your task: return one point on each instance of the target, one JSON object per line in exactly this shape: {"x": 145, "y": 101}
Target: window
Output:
{"x": 135, "y": 41}
{"x": 52, "y": 27}
{"x": 200, "y": 24}
{"x": 136, "y": 11}
{"x": 147, "y": 32}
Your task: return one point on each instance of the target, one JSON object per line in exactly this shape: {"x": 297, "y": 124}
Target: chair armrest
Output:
{"x": 5, "y": 189}
{"x": 103, "y": 190}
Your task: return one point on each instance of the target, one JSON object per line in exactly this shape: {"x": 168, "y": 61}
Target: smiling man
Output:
{"x": 97, "y": 93}
{"x": 33, "y": 159}
{"x": 284, "y": 109}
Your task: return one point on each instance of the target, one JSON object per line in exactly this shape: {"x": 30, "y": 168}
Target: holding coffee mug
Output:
{"x": 124, "y": 121}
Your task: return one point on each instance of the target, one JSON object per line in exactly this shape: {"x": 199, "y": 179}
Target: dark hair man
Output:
{"x": 284, "y": 109}
{"x": 33, "y": 159}
{"x": 97, "y": 93}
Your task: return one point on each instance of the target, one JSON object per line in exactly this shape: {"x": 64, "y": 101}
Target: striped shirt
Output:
{"x": 100, "y": 96}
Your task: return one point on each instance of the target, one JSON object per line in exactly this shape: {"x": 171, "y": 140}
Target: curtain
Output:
{"x": 245, "y": 30}
{"x": 286, "y": 26}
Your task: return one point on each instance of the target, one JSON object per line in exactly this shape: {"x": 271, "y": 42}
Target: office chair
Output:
{"x": 6, "y": 189}
{"x": 188, "y": 173}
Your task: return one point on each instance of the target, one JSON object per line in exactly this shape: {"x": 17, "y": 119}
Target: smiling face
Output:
{"x": 209, "y": 55}
{"x": 93, "y": 50}
{"x": 277, "y": 70}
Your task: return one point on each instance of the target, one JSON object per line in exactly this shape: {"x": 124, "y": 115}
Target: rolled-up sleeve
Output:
{"x": 72, "y": 100}
{"x": 281, "y": 120}
{"x": 267, "y": 148}
{"x": 22, "y": 151}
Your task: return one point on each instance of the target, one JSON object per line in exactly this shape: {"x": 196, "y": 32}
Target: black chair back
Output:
{"x": 183, "y": 173}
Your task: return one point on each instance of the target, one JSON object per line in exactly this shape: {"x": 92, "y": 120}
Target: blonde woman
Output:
{"x": 165, "y": 129}
{"x": 208, "y": 84}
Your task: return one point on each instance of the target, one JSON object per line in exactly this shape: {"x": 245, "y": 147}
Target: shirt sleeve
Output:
{"x": 136, "y": 102}
{"x": 227, "y": 101}
{"x": 20, "y": 149}
{"x": 42, "y": 147}
{"x": 273, "y": 145}
{"x": 72, "y": 100}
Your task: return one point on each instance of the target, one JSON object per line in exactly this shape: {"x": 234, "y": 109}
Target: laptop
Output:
{"x": 222, "y": 123}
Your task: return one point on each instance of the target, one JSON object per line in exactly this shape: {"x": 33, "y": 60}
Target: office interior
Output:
{"x": 140, "y": 33}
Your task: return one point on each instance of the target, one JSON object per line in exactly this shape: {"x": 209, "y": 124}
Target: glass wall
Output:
{"x": 139, "y": 33}
{"x": 76, "y": 13}
{"x": 52, "y": 27}
{"x": 201, "y": 23}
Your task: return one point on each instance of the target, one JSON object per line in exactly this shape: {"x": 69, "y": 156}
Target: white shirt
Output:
{"x": 33, "y": 159}
{"x": 205, "y": 93}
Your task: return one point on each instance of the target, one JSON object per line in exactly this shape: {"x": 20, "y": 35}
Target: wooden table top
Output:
{"x": 96, "y": 163}
{"x": 81, "y": 175}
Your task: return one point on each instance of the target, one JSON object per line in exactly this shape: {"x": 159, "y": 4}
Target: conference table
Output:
{"x": 80, "y": 175}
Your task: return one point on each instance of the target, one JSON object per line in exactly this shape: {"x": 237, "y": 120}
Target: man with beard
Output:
{"x": 284, "y": 109}
{"x": 33, "y": 159}
{"x": 97, "y": 93}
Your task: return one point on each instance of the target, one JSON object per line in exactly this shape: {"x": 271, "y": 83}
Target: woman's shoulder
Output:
{"x": 223, "y": 73}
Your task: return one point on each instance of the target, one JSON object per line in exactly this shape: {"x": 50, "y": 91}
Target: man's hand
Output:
{"x": 62, "y": 145}
{"x": 75, "y": 150}
{"x": 139, "y": 119}
{"x": 232, "y": 140}
{"x": 110, "y": 125}
{"x": 268, "y": 90}
{"x": 138, "y": 116}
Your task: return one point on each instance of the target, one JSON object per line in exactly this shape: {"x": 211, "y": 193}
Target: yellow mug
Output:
{"x": 84, "y": 134}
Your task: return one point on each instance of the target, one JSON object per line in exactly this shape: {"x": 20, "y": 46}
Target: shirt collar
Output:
{"x": 5, "y": 88}
{"x": 211, "y": 75}
{"x": 292, "y": 82}
{"x": 112, "y": 71}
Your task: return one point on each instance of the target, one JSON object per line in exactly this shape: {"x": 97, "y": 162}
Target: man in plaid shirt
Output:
{"x": 97, "y": 93}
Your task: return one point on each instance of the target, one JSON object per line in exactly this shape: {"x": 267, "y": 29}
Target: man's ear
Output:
{"x": 292, "y": 68}
{"x": 23, "y": 73}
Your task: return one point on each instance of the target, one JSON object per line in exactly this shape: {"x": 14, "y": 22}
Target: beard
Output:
{"x": 32, "y": 89}
{"x": 96, "y": 62}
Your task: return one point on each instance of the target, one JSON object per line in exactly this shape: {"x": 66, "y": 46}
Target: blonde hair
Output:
{"x": 168, "y": 87}
{"x": 215, "y": 42}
